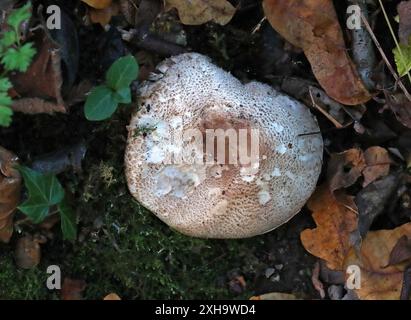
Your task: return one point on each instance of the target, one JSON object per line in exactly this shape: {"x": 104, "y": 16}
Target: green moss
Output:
{"x": 20, "y": 284}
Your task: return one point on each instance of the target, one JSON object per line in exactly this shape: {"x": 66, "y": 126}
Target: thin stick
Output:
{"x": 258, "y": 26}
{"x": 326, "y": 114}
{"x": 387, "y": 62}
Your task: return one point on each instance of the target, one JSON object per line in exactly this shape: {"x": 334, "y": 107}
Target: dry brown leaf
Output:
{"x": 404, "y": 12}
{"x": 275, "y": 296}
{"x": 98, "y": 4}
{"x": 72, "y": 289}
{"x": 314, "y": 27}
{"x": 27, "y": 252}
{"x": 401, "y": 251}
{"x": 336, "y": 220}
{"x": 196, "y": 12}
{"x": 103, "y": 16}
{"x": 377, "y": 162}
{"x": 112, "y": 296}
{"x": 10, "y": 186}
{"x": 377, "y": 281}
{"x": 40, "y": 86}
{"x": 345, "y": 168}
{"x": 401, "y": 107}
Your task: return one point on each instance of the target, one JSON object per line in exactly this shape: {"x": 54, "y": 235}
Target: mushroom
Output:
{"x": 214, "y": 158}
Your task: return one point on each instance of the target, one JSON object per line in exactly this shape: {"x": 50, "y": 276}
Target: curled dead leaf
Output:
{"x": 314, "y": 27}
{"x": 336, "y": 219}
{"x": 345, "y": 168}
{"x": 40, "y": 87}
{"x": 377, "y": 162}
{"x": 196, "y": 12}
{"x": 103, "y": 16}
{"x": 27, "y": 252}
{"x": 10, "y": 186}
{"x": 379, "y": 282}
{"x": 401, "y": 251}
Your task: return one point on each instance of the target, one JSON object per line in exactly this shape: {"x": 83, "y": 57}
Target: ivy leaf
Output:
{"x": 68, "y": 221}
{"x": 122, "y": 73}
{"x": 44, "y": 191}
{"x": 5, "y": 116}
{"x": 100, "y": 104}
{"x": 18, "y": 16}
{"x": 402, "y": 57}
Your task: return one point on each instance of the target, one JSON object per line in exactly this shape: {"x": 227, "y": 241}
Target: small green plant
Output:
{"x": 14, "y": 56}
{"x": 45, "y": 192}
{"x": 104, "y": 99}
{"x": 402, "y": 53}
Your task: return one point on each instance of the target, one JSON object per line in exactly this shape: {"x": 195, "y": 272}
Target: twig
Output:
{"x": 258, "y": 26}
{"x": 387, "y": 62}
{"x": 326, "y": 114}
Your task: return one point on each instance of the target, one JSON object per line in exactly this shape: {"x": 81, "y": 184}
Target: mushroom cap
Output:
{"x": 220, "y": 200}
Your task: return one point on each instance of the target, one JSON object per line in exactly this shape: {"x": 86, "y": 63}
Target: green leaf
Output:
{"x": 19, "y": 59}
{"x": 44, "y": 191}
{"x": 9, "y": 38}
{"x": 100, "y": 104}
{"x": 123, "y": 95}
{"x": 5, "y": 116}
{"x": 5, "y": 99}
{"x": 122, "y": 73}
{"x": 68, "y": 221}
{"x": 403, "y": 59}
{"x": 5, "y": 85}
{"x": 18, "y": 16}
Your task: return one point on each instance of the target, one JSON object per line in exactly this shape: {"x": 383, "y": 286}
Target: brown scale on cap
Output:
{"x": 211, "y": 199}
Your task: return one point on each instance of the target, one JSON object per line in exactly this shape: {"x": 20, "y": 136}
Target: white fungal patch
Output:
{"x": 155, "y": 155}
{"x": 179, "y": 181}
{"x": 276, "y": 172}
{"x": 278, "y": 127}
{"x": 263, "y": 197}
{"x": 281, "y": 149}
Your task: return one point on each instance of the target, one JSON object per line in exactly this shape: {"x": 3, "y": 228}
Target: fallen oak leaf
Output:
{"x": 372, "y": 200}
{"x": 379, "y": 282}
{"x": 345, "y": 168}
{"x": 336, "y": 220}
{"x": 377, "y": 162}
{"x": 196, "y": 12}
{"x": 10, "y": 187}
{"x": 314, "y": 27}
{"x": 401, "y": 251}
